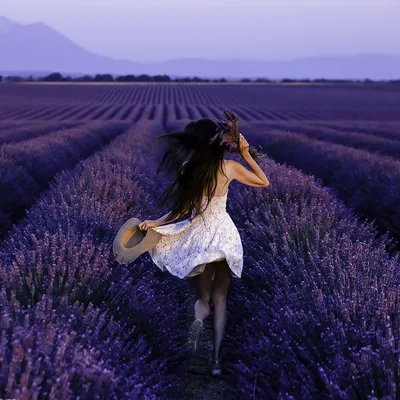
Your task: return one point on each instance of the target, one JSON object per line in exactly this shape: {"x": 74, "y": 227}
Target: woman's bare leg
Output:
{"x": 219, "y": 292}
{"x": 203, "y": 293}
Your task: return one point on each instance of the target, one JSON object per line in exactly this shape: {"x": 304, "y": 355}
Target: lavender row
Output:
{"x": 316, "y": 313}
{"x": 368, "y": 183}
{"x": 387, "y": 129}
{"x": 57, "y": 350}
{"x": 12, "y": 124}
{"x": 26, "y": 168}
{"x": 363, "y": 131}
{"x": 10, "y": 134}
{"x": 122, "y": 318}
{"x": 361, "y": 141}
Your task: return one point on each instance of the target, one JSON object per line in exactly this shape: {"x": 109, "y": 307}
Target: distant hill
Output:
{"x": 38, "y": 47}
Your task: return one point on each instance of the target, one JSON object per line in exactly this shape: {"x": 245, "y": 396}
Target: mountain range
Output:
{"x": 38, "y": 49}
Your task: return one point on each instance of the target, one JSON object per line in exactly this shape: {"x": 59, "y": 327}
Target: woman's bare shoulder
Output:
{"x": 231, "y": 168}
{"x": 228, "y": 165}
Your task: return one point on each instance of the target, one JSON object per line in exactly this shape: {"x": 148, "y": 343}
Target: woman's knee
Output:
{"x": 219, "y": 298}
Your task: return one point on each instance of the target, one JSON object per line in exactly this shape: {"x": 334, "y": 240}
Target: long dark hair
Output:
{"x": 195, "y": 162}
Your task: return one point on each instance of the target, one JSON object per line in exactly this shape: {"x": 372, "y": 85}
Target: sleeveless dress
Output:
{"x": 186, "y": 247}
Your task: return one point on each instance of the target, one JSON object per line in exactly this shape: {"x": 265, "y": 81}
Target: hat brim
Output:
{"x": 130, "y": 242}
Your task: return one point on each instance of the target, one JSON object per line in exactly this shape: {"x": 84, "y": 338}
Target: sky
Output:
{"x": 148, "y": 30}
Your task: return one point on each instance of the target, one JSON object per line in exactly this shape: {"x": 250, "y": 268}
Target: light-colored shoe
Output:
{"x": 194, "y": 335}
{"x": 216, "y": 369}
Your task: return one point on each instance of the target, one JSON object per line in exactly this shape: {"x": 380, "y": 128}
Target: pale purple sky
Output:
{"x": 148, "y": 30}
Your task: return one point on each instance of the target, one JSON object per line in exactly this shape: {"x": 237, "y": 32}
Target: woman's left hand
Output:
{"x": 147, "y": 223}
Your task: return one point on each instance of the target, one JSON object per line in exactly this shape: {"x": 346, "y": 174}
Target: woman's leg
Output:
{"x": 203, "y": 293}
{"x": 219, "y": 292}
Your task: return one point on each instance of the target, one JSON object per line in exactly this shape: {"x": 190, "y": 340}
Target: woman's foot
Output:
{"x": 194, "y": 335}
{"x": 216, "y": 369}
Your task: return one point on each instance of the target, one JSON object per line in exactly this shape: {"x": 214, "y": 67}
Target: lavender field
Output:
{"x": 316, "y": 314}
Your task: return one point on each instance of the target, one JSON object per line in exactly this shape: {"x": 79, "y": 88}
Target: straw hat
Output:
{"x": 131, "y": 241}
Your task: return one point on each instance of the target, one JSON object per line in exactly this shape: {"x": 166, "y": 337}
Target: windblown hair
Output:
{"x": 194, "y": 157}
{"x": 195, "y": 164}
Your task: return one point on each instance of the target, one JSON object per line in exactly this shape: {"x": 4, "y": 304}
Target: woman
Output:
{"x": 206, "y": 244}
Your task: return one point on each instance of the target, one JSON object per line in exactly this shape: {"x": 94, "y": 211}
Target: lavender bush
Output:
{"x": 24, "y": 131}
{"x": 69, "y": 351}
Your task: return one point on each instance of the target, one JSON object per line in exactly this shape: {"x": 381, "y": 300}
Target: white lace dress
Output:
{"x": 186, "y": 247}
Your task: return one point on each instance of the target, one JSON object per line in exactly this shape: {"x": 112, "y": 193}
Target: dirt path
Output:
{"x": 195, "y": 372}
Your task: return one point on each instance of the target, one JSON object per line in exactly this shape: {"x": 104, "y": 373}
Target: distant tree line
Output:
{"x": 57, "y": 77}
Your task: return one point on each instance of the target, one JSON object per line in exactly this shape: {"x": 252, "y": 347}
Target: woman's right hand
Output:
{"x": 243, "y": 146}
{"x": 147, "y": 224}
